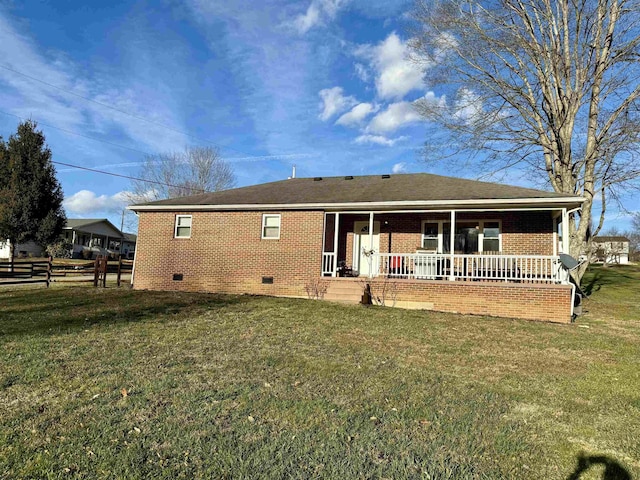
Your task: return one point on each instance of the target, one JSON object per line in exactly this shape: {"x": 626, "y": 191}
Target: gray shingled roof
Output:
{"x": 83, "y": 222}
{"x": 418, "y": 187}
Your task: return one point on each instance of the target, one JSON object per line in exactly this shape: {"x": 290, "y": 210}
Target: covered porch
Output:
{"x": 520, "y": 245}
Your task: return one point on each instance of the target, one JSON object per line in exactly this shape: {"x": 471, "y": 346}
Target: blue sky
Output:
{"x": 322, "y": 84}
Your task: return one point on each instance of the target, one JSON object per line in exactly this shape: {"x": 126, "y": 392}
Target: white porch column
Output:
{"x": 452, "y": 243}
{"x": 565, "y": 231}
{"x": 335, "y": 244}
{"x": 554, "y": 222}
{"x": 370, "y": 244}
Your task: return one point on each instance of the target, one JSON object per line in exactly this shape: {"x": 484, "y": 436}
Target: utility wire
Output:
{"x": 80, "y": 134}
{"x": 123, "y": 176}
{"x": 124, "y": 112}
{"x": 248, "y": 157}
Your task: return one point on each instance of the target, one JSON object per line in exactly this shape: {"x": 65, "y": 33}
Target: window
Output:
{"x": 271, "y": 226}
{"x": 470, "y": 236}
{"x": 491, "y": 237}
{"x": 430, "y": 236}
{"x": 183, "y": 226}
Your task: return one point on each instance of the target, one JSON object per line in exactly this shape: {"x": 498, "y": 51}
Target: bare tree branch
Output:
{"x": 551, "y": 84}
{"x": 178, "y": 174}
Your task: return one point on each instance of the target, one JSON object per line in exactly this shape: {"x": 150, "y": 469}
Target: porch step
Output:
{"x": 346, "y": 291}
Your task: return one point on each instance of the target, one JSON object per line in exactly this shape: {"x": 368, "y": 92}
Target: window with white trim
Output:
{"x": 491, "y": 237}
{"x": 470, "y": 236}
{"x": 430, "y": 236}
{"x": 183, "y": 226}
{"x": 271, "y": 226}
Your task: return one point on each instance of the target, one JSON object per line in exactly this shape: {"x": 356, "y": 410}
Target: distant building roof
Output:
{"x": 83, "y": 222}
{"x": 609, "y": 238}
{"x": 130, "y": 237}
{"x": 80, "y": 224}
{"x": 419, "y": 189}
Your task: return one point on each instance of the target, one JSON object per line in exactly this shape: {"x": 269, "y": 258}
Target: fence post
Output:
{"x": 95, "y": 273}
{"x": 49, "y": 266}
{"x": 105, "y": 268}
{"x": 119, "y": 268}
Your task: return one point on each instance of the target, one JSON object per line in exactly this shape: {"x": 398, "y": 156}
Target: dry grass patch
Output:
{"x": 125, "y": 384}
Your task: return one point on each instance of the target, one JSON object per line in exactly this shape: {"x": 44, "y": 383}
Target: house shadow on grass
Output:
{"x": 58, "y": 311}
{"x": 613, "y": 470}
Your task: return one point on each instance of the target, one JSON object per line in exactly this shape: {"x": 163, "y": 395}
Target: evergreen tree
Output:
{"x": 30, "y": 195}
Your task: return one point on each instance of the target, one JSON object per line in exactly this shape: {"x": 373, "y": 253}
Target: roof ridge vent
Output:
{"x": 317, "y": 179}
{"x": 349, "y": 177}
{"x": 386, "y": 175}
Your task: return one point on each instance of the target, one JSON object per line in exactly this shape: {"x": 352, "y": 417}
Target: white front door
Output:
{"x": 361, "y": 246}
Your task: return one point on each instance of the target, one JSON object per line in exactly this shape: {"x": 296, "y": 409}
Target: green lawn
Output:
{"x": 124, "y": 384}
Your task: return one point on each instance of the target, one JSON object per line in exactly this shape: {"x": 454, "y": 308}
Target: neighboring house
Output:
{"x": 610, "y": 249}
{"x": 128, "y": 248}
{"x": 91, "y": 237}
{"x": 23, "y": 250}
{"x": 444, "y": 243}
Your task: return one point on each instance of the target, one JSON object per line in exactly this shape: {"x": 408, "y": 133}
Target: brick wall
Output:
{"x": 544, "y": 302}
{"x": 227, "y": 254}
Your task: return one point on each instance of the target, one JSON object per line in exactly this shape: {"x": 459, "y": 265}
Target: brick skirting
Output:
{"x": 544, "y": 302}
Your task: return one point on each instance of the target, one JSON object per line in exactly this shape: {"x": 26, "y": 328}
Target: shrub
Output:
{"x": 60, "y": 249}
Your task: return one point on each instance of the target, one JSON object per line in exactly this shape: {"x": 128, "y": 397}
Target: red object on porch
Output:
{"x": 395, "y": 262}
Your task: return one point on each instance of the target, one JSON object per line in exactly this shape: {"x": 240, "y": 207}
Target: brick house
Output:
{"x": 444, "y": 243}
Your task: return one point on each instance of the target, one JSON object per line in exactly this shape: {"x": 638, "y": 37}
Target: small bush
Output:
{"x": 61, "y": 249}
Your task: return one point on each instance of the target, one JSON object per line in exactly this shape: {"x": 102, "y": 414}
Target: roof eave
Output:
{"x": 558, "y": 202}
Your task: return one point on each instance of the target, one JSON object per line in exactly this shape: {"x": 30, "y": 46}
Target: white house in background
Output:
{"x": 610, "y": 249}
{"x": 128, "y": 248}
{"x": 23, "y": 250}
{"x": 91, "y": 237}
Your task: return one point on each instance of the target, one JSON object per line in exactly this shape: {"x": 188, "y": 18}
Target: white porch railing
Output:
{"x": 328, "y": 263}
{"x": 510, "y": 268}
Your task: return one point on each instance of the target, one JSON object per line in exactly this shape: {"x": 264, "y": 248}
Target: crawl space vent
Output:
{"x": 177, "y": 277}
{"x": 267, "y": 280}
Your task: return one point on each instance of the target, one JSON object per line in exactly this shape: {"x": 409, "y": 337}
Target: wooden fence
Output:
{"x": 46, "y": 271}
{"x": 25, "y": 272}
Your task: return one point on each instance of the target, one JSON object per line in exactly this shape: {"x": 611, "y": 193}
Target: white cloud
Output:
{"x": 24, "y": 95}
{"x": 87, "y": 202}
{"x": 399, "y": 167}
{"x": 357, "y": 114}
{"x": 467, "y": 106}
{"x": 400, "y": 114}
{"x": 395, "y": 116}
{"x": 318, "y": 12}
{"x": 362, "y": 72}
{"x": 378, "y": 140}
{"x": 396, "y": 74}
{"x": 334, "y": 102}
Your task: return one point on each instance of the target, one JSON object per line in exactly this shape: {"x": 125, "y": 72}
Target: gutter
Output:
{"x": 550, "y": 202}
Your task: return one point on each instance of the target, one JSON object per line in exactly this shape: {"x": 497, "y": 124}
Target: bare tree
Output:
{"x": 550, "y": 85}
{"x": 178, "y": 174}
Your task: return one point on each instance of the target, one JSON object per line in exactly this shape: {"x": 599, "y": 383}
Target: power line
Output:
{"x": 80, "y": 134}
{"x": 124, "y": 112}
{"x": 248, "y": 157}
{"x": 123, "y": 176}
